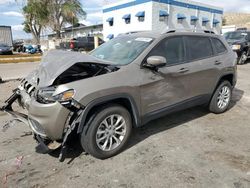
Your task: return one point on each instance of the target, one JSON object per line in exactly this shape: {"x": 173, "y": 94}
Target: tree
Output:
{"x": 36, "y": 17}
{"x": 63, "y": 12}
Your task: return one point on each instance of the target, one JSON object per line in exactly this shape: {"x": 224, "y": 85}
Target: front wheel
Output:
{"x": 107, "y": 132}
{"x": 221, "y": 98}
{"x": 243, "y": 58}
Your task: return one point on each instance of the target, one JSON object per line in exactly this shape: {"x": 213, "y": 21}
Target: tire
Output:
{"x": 81, "y": 50}
{"x": 115, "y": 142}
{"x": 242, "y": 59}
{"x": 221, "y": 98}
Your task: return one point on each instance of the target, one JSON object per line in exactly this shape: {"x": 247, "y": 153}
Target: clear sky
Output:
{"x": 11, "y": 12}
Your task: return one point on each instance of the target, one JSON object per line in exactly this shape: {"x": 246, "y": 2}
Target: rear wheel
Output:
{"x": 221, "y": 98}
{"x": 107, "y": 132}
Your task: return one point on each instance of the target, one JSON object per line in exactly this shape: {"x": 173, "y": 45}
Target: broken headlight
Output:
{"x": 64, "y": 96}
{"x": 46, "y": 95}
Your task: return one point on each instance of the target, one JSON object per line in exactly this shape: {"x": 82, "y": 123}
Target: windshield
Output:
{"x": 235, "y": 35}
{"x": 122, "y": 50}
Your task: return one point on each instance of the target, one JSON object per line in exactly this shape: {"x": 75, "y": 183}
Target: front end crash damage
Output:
{"x": 54, "y": 117}
{"x": 47, "y": 144}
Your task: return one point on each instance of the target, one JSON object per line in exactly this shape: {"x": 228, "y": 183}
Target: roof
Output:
{"x": 78, "y": 28}
{"x": 82, "y": 26}
{"x": 150, "y": 34}
{"x": 239, "y": 31}
{"x": 74, "y": 26}
{"x": 5, "y": 26}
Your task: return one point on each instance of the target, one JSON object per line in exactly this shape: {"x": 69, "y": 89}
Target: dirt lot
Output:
{"x": 192, "y": 148}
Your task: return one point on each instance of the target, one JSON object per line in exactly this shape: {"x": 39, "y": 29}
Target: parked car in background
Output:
{"x": 83, "y": 43}
{"x": 5, "y": 49}
{"x": 240, "y": 42}
{"x": 18, "y": 45}
{"x": 125, "y": 83}
{"x": 32, "y": 49}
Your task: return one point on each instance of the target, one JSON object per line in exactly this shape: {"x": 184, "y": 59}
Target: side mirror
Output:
{"x": 156, "y": 61}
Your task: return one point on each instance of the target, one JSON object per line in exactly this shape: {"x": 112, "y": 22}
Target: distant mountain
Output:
{"x": 238, "y": 19}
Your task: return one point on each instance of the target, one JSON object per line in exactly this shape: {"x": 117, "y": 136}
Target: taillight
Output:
{"x": 71, "y": 45}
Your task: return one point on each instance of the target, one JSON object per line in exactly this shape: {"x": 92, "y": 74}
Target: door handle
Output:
{"x": 217, "y": 62}
{"x": 183, "y": 70}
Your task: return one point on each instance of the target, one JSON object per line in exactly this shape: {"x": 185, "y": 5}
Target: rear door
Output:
{"x": 220, "y": 58}
{"x": 202, "y": 65}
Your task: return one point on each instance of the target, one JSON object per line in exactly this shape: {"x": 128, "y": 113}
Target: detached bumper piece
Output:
{"x": 47, "y": 145}
{"x": 8, "y": 108}
{"x": 74, "y": 120}
{"x": 10, "y": 101}
{"x": 42, "y": 146}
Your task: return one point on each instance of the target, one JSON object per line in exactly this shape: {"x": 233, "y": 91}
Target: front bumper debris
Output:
{"x": 46, "y": 144}
{"x": 11, "y": 100}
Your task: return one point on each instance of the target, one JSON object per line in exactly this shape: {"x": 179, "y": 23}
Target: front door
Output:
{"x": 169, "y": 85}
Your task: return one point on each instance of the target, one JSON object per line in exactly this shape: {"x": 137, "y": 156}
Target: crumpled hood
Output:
{"x": 54, "y": 63}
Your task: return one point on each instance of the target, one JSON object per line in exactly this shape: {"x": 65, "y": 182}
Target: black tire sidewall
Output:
{"x": 240, "y": 62}
{"x": 213, "y": 107}
{"x": 88, "y": 139}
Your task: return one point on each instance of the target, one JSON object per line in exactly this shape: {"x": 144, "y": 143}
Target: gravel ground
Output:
{"x": 192, "y": 148}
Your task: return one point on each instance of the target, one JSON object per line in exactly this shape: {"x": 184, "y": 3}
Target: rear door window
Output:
{"x": 172, "y": 49}
{"x": 198, "y": 47}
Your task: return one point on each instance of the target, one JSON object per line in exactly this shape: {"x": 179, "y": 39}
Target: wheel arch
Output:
{"x": 124, "y": 100}
{"x": 229, "y": 77}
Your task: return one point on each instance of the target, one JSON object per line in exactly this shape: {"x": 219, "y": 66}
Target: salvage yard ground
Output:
{"x": 192, "y": 148}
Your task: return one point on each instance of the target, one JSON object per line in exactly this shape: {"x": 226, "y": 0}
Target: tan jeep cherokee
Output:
{"x": 123, "y": 84}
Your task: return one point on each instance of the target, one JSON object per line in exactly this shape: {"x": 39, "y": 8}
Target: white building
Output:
{"x": 159, "y": 15}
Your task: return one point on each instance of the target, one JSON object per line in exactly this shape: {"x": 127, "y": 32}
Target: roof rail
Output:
{"x": 187, "y": 30}
{"x": 130, "y": 32}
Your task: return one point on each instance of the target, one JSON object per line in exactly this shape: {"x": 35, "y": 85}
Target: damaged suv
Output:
{"x": 124, "y": 83}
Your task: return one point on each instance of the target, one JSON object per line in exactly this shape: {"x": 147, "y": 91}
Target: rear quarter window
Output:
{"x": 198, "y": 47}
{"x": 219, "y": 47}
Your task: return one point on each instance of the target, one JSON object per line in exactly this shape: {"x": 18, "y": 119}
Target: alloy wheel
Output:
{"x": 110, "y": 133}
{"x": 223, "y": 97}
